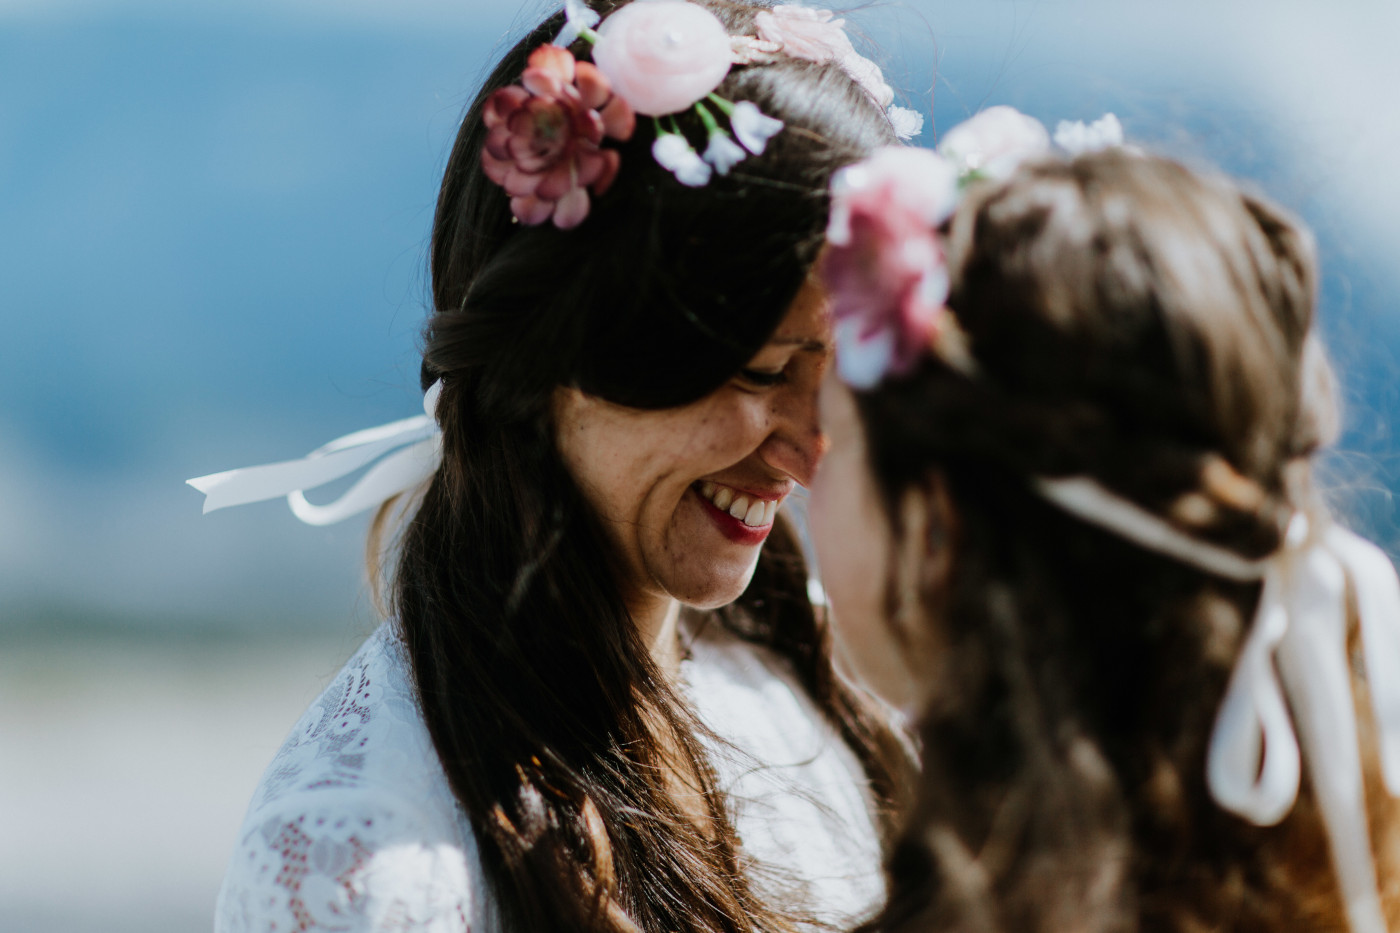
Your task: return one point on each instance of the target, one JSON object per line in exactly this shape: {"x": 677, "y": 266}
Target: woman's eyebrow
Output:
{"x": 808, "y": 344}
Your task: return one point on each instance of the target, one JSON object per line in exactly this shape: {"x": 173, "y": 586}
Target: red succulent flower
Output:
{"x": 544, "y": 138}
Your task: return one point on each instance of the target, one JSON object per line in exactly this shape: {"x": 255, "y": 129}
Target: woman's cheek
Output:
{"x": 851, "y": 539}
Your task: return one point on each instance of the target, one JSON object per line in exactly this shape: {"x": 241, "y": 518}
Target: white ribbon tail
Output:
{"x": 389, "y": 477}
{"x": 1253, "y": 721}
{"x": 1377, "y": 591}
{"x": 340, "y": 457}
{"x": 1296, "y": 649}
{"x": 1313, "y": 661}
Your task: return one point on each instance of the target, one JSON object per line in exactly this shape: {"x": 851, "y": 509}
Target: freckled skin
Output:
{"x": 638, "y": 468}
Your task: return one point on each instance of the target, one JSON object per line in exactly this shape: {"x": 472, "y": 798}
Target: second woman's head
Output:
{"x": 1046, "y": 536}
{"x": 1115, "y": 317}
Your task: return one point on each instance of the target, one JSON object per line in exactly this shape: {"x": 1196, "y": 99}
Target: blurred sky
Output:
{"x": 214, "y": 217}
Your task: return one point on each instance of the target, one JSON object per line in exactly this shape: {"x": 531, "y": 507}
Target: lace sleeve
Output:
{"x": 353, "y": 827}
{"x": 362, "y": 868}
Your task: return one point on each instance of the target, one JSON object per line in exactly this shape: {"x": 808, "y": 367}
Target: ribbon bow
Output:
{"x": 1294, "y": 657}
{"x": 394, "y": 474}
{"x": 1297, "y": 650}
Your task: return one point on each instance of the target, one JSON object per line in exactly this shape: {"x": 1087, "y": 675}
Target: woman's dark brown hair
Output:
{"x": 560, "y": 737}
{"x": 1149, "y": 327}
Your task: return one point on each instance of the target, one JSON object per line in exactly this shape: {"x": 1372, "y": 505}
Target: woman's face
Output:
{"x": 689, "y": 494}
{"x": 856, "y": 552}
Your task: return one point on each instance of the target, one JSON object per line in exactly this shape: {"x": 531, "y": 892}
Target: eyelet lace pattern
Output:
{"x": 354, "y": 827}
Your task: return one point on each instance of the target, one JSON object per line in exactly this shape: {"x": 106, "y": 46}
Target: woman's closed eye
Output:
{"x": 763, "y": 378}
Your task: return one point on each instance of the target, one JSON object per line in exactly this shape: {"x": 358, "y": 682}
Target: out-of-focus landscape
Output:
{"x": 213, "y": 227}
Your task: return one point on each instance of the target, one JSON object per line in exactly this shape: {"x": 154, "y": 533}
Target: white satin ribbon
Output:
{"x": 399, "y": 472}
{"x": 1295, "y": 656}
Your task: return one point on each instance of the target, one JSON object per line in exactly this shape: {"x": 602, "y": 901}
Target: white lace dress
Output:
{"x": 354, "y": 828}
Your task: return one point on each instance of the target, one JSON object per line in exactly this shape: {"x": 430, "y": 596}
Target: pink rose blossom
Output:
{"x": 543, "y": 142}
{"x": 816, "y": 36}
{"x": 662, "y": 56}
{"x": 884, "y": 265}
{"x": 994, "y": 142}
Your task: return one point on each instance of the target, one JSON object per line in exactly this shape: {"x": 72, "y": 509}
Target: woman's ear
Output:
{"x": 923, "y": 553}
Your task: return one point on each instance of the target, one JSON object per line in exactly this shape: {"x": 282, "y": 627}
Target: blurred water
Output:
{"x": 125, "y": 767}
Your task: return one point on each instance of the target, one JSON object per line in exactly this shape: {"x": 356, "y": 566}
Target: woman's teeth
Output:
{"x": 752, "y": 512}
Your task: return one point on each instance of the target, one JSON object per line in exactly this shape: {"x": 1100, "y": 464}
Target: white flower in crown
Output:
{"x": 752, "y": 126}
{"x": 673, "y": 152}
{"x": 751, "y": 50}
{"x": 724, "y": 153}
{"x": 907, "y": 123}
{"x": 817, "y": 36}
{"x": 578, "y": 19}
{"x": 1076, "y": 138}
{"x": 994, "y": 142}
{"x": 665, "y": 57}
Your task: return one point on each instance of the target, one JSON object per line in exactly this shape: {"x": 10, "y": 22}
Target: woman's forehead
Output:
{"x": 807, "y": 323}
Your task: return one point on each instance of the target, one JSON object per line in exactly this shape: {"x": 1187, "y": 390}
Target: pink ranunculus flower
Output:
{"x": 994, "y": 142}
{"x": 544, "y": 136}
{"x": 817, "y": 36}
{"x": 662, "y": 56}
{"x": 884, "y": 265}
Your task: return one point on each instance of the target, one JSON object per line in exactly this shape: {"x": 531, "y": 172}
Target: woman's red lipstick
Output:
{"x": 733, "y": 528}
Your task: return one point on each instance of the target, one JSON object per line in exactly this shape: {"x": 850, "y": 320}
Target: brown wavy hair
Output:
{"x": 1152, "y": 328}
{"x": 560, "y": 737}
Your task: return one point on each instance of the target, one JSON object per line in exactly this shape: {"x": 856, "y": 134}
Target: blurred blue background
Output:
{"x": 213, "y": 228}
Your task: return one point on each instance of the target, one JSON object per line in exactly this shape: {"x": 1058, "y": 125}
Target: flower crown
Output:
{"x": 655, "y": 58}
{"x": 885, "y": 266}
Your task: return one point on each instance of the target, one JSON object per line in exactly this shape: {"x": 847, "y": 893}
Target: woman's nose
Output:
{"x": 796, "y": 443}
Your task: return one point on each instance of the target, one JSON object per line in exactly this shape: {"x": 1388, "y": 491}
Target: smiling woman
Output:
{"x": 687, "y": 494}
{"x": 604, "y": 671}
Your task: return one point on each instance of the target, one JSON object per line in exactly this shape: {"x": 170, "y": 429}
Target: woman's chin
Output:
{"x": 700, "y": 565}
{"x": 711, "y": 584}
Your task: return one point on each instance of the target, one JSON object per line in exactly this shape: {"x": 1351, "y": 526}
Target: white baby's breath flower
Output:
{"x": 1076, "y": 138}
{"x": 577, "y": 17}
{"x": 907, "y": 123}
{"x": 992, "y": 143}
{"x": 724, "y": 153}
{"x": 673, "y": 152}
{"x": 752, "y": 126}
{"x": 868, "y": 75}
